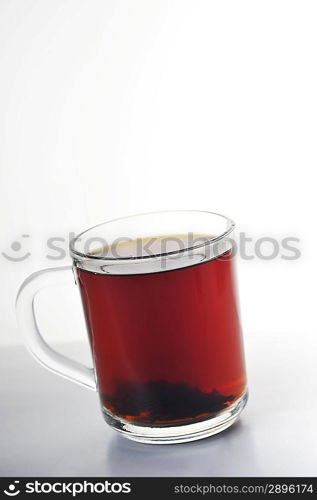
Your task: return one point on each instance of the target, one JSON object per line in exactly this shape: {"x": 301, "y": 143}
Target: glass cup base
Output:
{"x": 180, "y": 433}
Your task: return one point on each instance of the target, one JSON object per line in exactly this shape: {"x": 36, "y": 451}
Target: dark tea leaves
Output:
{"x": 161, "y": 401}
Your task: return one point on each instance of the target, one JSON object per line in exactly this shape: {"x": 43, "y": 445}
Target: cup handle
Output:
{"x": 44, "y": 354}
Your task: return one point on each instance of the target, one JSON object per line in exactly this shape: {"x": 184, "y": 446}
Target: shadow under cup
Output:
{"x": 158, "y": 292}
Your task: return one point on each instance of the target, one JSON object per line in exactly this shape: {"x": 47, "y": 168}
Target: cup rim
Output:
{"x": 75, "y": 253}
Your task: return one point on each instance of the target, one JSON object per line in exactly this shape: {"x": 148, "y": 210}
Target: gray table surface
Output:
{"x": 52, "y": 427}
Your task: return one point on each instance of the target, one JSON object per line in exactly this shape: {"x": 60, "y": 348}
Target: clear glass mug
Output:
{"x": 158, "y": 292}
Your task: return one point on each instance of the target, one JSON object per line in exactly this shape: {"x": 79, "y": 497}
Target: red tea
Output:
{"x": 167, "y": 345}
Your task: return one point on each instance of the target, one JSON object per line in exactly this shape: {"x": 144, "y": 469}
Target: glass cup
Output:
{"x": 159, "y": 297}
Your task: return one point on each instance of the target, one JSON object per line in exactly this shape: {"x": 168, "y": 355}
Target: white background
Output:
{"x": 114, "y": 107}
